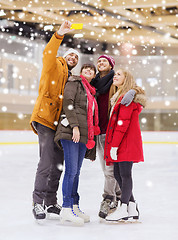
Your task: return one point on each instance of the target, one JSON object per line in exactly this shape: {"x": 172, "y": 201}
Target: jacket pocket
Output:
{"x": 49, "y": 110}
{"x": 123, "y": 145}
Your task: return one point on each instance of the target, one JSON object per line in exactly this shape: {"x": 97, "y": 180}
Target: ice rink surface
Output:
{"x": 155, "y": 190}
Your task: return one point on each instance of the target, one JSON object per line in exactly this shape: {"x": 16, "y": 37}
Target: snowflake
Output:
{"x": 20, "y": 115}
{"x": 56, "y": 123}
{"x": 143, "y": 120}
{"x": 4, "y": 109}
{"x": 70, "y": 107}
{"x": 120, "y": 122}
{"x": 60, "y": 167}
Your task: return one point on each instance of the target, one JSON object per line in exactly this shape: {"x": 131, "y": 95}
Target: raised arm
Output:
{"x": 50, "y": 51}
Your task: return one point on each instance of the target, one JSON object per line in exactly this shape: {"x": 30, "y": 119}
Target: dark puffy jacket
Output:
{"x": 74, "y": 111}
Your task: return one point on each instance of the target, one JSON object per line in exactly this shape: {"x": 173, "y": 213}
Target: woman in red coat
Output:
{"x": 123, "y": 144}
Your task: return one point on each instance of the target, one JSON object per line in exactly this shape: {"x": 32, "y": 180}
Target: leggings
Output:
{"x": 123, "y": 175}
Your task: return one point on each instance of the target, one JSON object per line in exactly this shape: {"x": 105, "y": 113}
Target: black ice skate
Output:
{"x": 113, "y": 206}
{"x": 53, "y": 211}
{"x": 38, "y": 211}
{"x": 104, "y": 208}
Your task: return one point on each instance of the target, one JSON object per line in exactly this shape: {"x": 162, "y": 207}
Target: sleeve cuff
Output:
{"x": 74, "y": 125}
{"x": 58, "y": 36}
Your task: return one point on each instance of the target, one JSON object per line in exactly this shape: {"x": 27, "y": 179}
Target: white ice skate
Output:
{"x": 81, "y": 214}
{"x": 133, "y": 210}
{"x": 120, "y": 213}
{"x": 67, "y": 215}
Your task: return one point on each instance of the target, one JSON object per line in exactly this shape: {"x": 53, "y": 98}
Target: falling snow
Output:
{"x": 149, "y": 61}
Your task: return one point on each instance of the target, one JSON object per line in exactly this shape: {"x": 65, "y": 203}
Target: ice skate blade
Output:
{"x": 40, "y": 221}
{"x": 129, "y": 221}
{"x": 102, "y": 220}
{"x": 52, "y": 216}
{"x": 70, "y": 223}
{"x": 116, "y": 220}
{"x": 134, "y": 221}
{"x": 86, "y": 220}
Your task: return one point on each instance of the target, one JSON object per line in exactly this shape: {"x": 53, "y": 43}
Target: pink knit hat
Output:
{"x": 109, "y": 58}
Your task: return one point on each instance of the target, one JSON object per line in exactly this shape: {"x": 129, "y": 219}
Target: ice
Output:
{"x": 155, "y": 189}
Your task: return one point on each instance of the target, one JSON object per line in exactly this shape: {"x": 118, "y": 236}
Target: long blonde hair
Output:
{"x": 129, "y": 83}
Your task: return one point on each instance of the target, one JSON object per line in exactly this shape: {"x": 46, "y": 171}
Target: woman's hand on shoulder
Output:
{"x": 128, "y": 97}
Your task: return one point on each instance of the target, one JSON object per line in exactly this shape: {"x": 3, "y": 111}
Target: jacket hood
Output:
{"x": 140, "y": 98}
{"x": 74, "y": 78}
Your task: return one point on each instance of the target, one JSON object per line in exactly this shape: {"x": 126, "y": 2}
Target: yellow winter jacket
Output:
{"x": 54, "y": 75}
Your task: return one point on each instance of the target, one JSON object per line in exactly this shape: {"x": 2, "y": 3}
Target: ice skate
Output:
{"x": 133, "y": 210}
{"x": 67, "y": 215}
{"x": 113, "y": 206}
{"x": 39, "y": 212}
{"x": 81, "y": 214}
{"x": 120, "y": 213}
{"x": 53, "y": 211}
{"x": 104, "y": 208}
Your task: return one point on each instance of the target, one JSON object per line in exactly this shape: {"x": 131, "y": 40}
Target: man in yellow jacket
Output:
{"x": 44, "y": 121}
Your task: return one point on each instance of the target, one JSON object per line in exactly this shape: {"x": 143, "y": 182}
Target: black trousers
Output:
{"x": 49, "y": 167}
{"x": 123, "y": 175}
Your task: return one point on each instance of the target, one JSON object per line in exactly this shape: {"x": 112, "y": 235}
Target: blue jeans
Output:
{"x": 74, "y": 154}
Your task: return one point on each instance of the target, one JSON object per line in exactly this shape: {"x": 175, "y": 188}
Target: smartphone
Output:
{"x": 76, "y": 26}
{"x": 65, "y": 122}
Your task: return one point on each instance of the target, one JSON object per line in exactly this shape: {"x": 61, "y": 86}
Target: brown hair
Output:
{"x": 88, "y": 65}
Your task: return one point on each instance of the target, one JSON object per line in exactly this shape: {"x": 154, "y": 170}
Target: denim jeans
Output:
{"x": 74, "y": 154}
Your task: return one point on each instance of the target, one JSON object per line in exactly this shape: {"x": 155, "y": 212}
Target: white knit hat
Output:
{"x": 71, "y": 50}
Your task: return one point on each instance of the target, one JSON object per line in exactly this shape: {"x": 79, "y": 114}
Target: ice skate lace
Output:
{"x": 39, "y": 209}
{"x": 74, "y": 213}
{"x": 113, "y": 204}
{"x": 80, "y": 210}
{"x": 57, "y": 206}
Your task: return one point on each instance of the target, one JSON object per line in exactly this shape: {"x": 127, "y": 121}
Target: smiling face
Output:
{"x": 103, "y": 65}
{"x": 72, "y": 60}
{"x": 88, "y": 73}
{"x": 118, "y": 78}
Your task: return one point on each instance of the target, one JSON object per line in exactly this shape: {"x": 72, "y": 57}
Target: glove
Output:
{"x": 128, "y": 97}
{"x": 113, "y": 153}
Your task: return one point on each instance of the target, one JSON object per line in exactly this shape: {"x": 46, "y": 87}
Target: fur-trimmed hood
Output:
{"x": 74, "y": 78}
{"x": 140, "y": 98}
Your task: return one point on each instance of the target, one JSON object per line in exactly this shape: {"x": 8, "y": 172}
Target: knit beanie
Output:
{"x": 71, "y": 50}
{"x": 110, "y": 60}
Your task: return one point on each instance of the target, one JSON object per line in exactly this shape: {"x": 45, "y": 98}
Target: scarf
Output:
{"x": 103, "y": 84}
{"x": 93, "y": 128}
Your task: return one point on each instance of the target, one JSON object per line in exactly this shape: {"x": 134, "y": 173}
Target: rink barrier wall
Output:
{"x": 23, "y": 143}
{"x": 27, "y": 137}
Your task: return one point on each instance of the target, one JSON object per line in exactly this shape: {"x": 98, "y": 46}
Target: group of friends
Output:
{"x": 76, "y": 117}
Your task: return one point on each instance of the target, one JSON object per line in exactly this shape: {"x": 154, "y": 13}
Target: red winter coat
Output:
{"x": 123, "y": 131}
